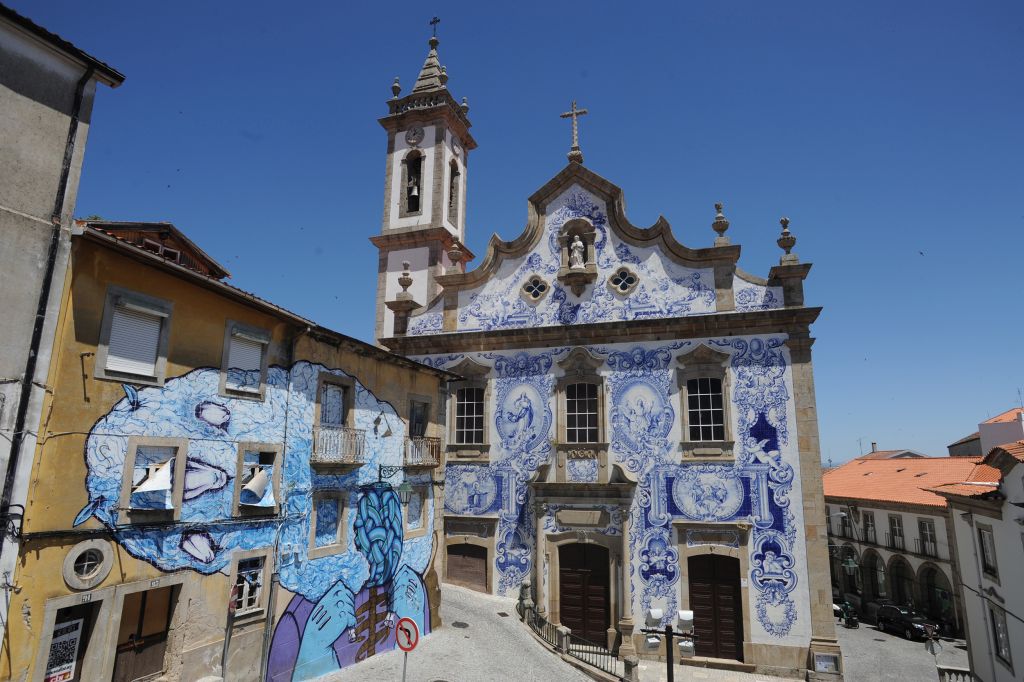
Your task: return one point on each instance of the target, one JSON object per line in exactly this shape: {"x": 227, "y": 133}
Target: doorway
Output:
{"x": 142, "y": 635}
{"x": 584, "y": 602}
{"x": 467, "y": 566}
{"x": 717, "y": 606}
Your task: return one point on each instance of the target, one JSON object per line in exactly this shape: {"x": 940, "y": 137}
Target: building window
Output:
{"x": 416, "y": 513}
{"x": 869, "y": 527}
{"x": 133, "y": 338}
{"x": 248, "y": 590}
{"x": 623, "y": 280}
{"x": 258, "y": 479}
{"x": 704, "y": 387}
{"x": 153, "y": 482}
{"x": 244, "y": 365}
{"x": 88, "y": 563}
{"x": 986, "y": 541}
{"x": 328, "y": 524}
{"x": 534, "y": 289}
{"x": 419, "y": 411}
{"x": 469, "y": 416}
{"x": 1000, "y": 633}
{"x": 828, "y": 519}
{"x": 896, "y": 533}
{"x": 581, "y": 413}
{"x": 926, "y": 533}
{"x": 845, "y": 529}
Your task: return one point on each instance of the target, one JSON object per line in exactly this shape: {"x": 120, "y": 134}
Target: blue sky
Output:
{"x": 890, "y": 133}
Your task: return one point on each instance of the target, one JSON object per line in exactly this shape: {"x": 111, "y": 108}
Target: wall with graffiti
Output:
{"x": 342, "y": 604}
{"x": 642, "y": 412}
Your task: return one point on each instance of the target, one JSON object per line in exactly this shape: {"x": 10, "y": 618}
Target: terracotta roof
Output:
{"x": 966, "y": 439}
{"x": 104, "y": 71}
{"x": 1008, "y": 416}
{"x": 891, "y": 454}
{"x": 904, "y": 480}
{"x": 1015, "y": 450}
{"x": 975, "y": 490}
{"x": 163, "y": 239}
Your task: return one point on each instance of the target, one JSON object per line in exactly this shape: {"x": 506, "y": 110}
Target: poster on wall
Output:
{"x": 60, "y": 667}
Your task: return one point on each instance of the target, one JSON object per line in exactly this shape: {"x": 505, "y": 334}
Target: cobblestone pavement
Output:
{"x": 492, "y": 648}
{"x": 870, "y": 656}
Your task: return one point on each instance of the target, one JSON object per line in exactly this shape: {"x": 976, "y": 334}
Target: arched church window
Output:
{"x": 535, "y": 288}
{"x": 623, "y": 280}
{"x": 453, "y": 192}
{"x": 412, "y": 183}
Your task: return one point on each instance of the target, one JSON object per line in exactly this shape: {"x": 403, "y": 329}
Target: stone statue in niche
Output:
{"x": 576, "y": 253}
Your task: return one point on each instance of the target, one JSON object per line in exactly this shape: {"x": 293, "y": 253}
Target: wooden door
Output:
{"x": 583, "y": 596}
{"x": 142, "y": 637}
{"x": 467, "y": 566}
{"x": 717, "y": 609}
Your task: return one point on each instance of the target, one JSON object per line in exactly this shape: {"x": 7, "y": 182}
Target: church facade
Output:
{"x": 635, "y": 430}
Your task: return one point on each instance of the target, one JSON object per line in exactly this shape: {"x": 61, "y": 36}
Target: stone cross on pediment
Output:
{"x": 575, "y": 155}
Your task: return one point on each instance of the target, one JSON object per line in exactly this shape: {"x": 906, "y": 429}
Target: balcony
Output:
{"x": 869, "y": 536}
{"x": 894, "y": 542}
{"x": 338, "y": 447}
{"x": 927, "y": 547}
{"x": 421, "y": 451}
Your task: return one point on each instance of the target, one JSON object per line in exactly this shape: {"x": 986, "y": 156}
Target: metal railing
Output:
{"x": 926, "y": 547}
{"x": 953, "y": 673}
{"x": 547, "y": 631}
{"x": 422, "y": 452}
{"x": 338, "y": 445}
{"x": 870, "y": 536}
{"x": 594, "y": 654}
{"x": 894, "y": 541}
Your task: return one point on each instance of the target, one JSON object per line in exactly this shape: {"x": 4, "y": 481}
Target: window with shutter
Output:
{"x": 134, "y": 341}
{"x": 243, "y": 359}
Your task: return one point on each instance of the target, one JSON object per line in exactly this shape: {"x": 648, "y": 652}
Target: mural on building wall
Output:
{"x": 344, "y": 603}
{"x": 644, "y": 432}
{"x": 664, "y": 288}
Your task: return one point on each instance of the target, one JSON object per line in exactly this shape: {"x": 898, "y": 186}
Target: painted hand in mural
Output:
{"x": 328, "y": 620}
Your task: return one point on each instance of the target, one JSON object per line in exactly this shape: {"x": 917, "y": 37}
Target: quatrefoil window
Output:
{"x": 535, "y": 288}
{"x": 623, "y": 280}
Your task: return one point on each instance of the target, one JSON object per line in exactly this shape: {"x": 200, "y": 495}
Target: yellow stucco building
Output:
{"x": 210, "y": 464}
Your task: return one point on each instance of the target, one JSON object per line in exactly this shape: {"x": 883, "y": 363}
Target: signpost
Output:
{"x": 407, "y": 634}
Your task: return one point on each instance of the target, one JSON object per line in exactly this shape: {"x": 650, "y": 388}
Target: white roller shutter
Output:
{"x": 245, "y": 357}
{"x": 134, "y": 341}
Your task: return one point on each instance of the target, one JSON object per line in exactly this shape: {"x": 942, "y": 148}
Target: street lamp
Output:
{"x": 404, "y": 490}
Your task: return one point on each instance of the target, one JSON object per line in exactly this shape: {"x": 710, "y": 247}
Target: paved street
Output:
{"x": 870, "y": 656}
{"x": 491, "y": 648}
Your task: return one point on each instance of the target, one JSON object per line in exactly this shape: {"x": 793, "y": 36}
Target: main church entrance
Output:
{"x": 584, "y": 594}
{"x": 716, "y": 604}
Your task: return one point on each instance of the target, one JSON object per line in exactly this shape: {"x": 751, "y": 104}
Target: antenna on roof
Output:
{"x": 1020, "y": 398}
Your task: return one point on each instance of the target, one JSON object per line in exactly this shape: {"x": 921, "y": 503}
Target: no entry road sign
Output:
{"x": 407, "y": 634}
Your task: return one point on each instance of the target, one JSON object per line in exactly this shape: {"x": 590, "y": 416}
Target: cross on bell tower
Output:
{"x": 575, "y": 155}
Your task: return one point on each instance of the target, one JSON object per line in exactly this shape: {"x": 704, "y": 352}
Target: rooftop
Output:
{"x": 1008, "y": 416}
{"x": 892, "y": 454}
{"x": 966, "y": 439}
{"x": 905, "y": 481}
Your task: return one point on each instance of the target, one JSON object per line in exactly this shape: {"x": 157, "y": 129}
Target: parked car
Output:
{"x": 905, "y": 621}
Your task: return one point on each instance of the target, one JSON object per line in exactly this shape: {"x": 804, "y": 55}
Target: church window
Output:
{"x": 469, "y": 416}
{"x": 623, "y": 280}
{"x": 412, "y": 183}
{"x": 704, "y": 394}
{"x": 704, "y": 406}
{"x": 581, "y": 413}
{"x": 453, "y": 193}
{"x": 535, "y": 288}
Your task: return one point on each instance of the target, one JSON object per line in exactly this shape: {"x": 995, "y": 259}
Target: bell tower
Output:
{"x": 424, "y": 190}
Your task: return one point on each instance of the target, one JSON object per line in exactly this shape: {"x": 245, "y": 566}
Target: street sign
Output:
{"x": 407, "y": 634}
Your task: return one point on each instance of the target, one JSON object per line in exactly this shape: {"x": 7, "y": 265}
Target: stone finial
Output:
{"x": 396, "y": 87}
{"x": 786, "y": 242}
{"x": 455, "y": 255}
{"x": 720, "y": 226}
{"x": 444, "y": 75}
{"x": 405, "y": 280}
{"x": 465, "y": 105}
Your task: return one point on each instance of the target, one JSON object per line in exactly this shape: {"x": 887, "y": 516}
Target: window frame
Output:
{"x": 475, "y": 376}
{"x": 403, "y": 196}
{"x": 924, "y": 523}
{"x": 126, "y": 515}
{"x": 241, "y": 510}
{"x": 348, "y": 397}
{"x": 409, "y": 533}
{"x": 581, "y": 368}
{"x": 993, "y": 612}
{"x": 993, "y": 574}
{"x": 704, "y": 362}
{"x": 341, "y": 497}
{"x": 232, "y": 329}
{"x": 898, "y": 518}
{"x": 424, "y": 400}
{"x": 117, "y": 296}
{"x": 268, "y": 559}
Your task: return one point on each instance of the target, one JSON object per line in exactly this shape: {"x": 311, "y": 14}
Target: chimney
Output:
{"x": 874, "y": 446}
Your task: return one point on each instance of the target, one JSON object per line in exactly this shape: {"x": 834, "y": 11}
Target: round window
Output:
{"x": 88, "y": 563}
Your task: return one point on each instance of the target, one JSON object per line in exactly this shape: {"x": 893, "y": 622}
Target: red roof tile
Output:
{"x": 1015, "y": 450}
{"x": 891, "y": 454}
{"x": 966, "y": 489}
{"x": 1008, "y": 416}
{"x": 904, "y": 480}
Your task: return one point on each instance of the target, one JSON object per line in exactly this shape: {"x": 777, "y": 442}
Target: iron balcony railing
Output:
{"x": 339, "y": 445}
{"x": 894, "y": 541}
{"x": 927, "y": 547}
{"x": 870, "y": 536}
{"x": 422, "y": 451}
{"x": 595, "y": 655}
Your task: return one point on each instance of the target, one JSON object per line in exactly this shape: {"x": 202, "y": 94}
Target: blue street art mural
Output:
{"x": 343, "y": 603}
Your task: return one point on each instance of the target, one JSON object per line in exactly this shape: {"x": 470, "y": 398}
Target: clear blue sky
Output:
{"x": 891, "y": 133}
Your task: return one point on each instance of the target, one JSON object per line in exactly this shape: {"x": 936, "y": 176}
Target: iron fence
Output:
{"x": 594, "y": 654}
